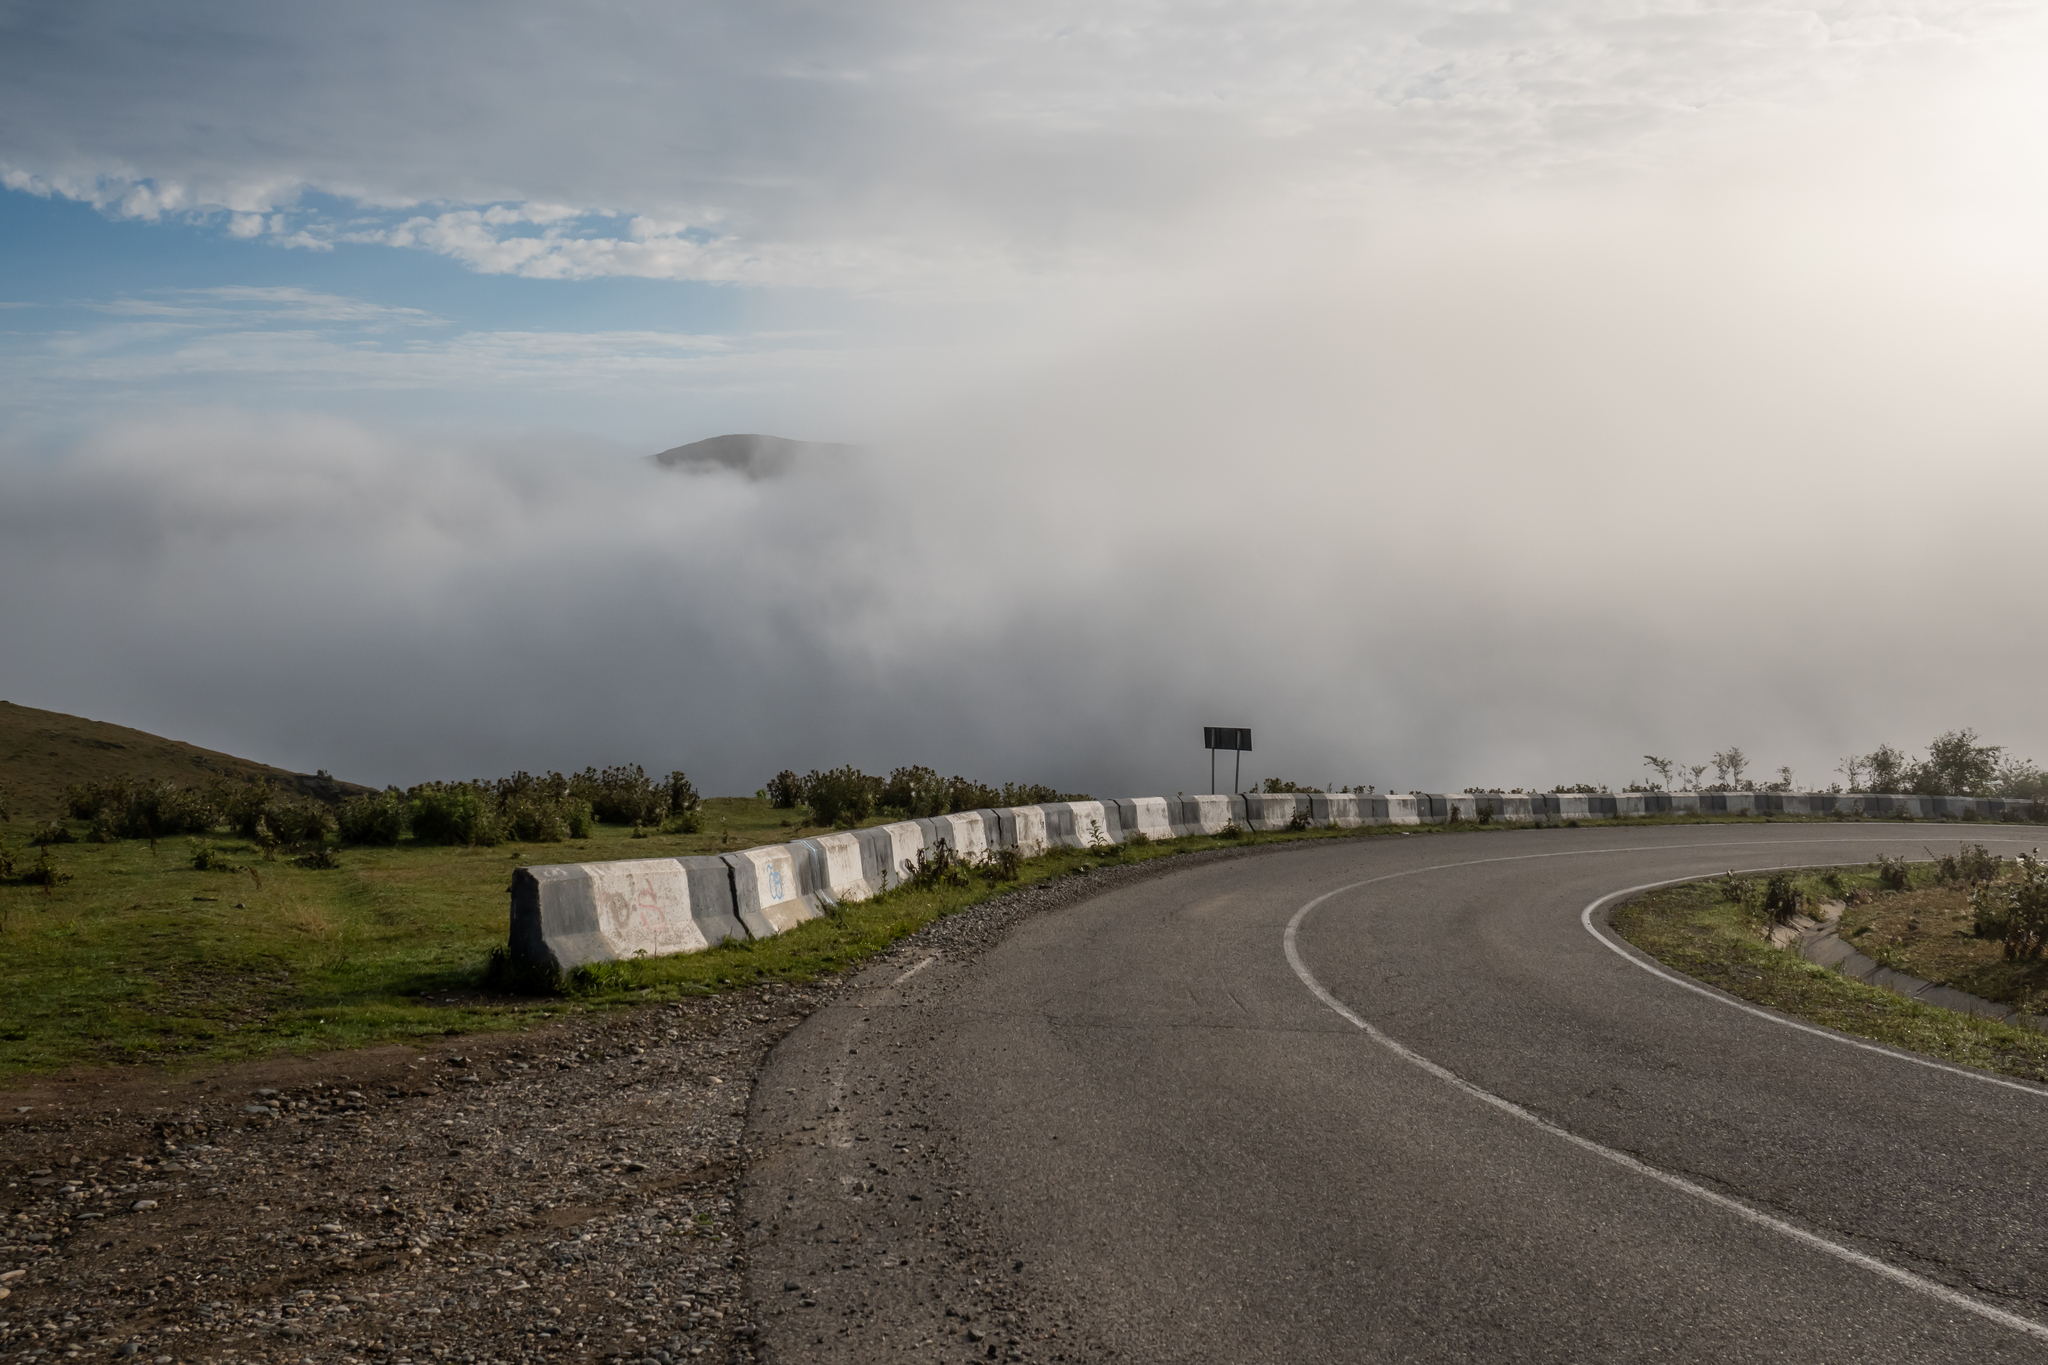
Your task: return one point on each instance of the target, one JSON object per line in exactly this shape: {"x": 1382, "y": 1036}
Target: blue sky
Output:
{"x": 331, "y": 335}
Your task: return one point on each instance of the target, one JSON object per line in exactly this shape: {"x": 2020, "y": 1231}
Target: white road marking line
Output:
{"x": 913, "y": 971}
{"x": 1586, "y": 919}
{"x": 1906, "y": 1278}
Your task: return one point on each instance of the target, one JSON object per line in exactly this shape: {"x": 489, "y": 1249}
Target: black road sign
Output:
{"x": 1224, "y": 737}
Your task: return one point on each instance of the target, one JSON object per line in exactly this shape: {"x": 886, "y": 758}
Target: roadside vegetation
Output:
{"x": 1947, "y": 920}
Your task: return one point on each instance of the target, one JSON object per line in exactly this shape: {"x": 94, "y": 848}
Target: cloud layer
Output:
{"x": 915, "y": 146}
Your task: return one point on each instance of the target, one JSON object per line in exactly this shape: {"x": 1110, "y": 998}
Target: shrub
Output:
{"x": 207, "y": 858}
{"x": 52, "y": 833}
{"x": 1780, "y": 899}
{"x": 786, "y": 790}
{"x": 1233, "y": 830}
{"x": 934, "y": 867}
{"x": 1001, "y": 865}
{"x": 683, "y": 801}
{"x": 962, "y": 795}
{"x": 1137, "y": 839}
{"x": 373, "y": 819}
{"x": 301, "y": 822}
{"x": 917, "y": 792}
{"x": 1275, "y": 787}
{"x": 6, "y": 861}
{"x": 1893, "y": 874}
{"x": 88, "y": 800}
{"x": 843, "y": 797}
{"x": 454, "y": 813}
{"x": 2015, "y": 912}
{"x": 160, "y": 808}
{"x": 321, "y": 859}
{"x": 582, "y": 824}
{"x": 106, "y": 827}
{"x": 533, "y": 822}
{"x": 622, "y": 795}
{"x": 246, "y": 806}
{"x": 1301, "y": 820}
{"x": 45, "y": 873}
{"x": 1969, "y": 865}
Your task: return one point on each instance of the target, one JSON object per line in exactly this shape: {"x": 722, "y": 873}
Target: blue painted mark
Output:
{"x": 775, "y": 881}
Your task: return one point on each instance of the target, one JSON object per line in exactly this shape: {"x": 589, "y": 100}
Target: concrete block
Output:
{"x": 774, "y": 889}
{"x": 1334, "y": 810}
{"x": 1210, "y": 814}
{"x": 1146, "y": 815}
{"x": 1023, "y": 828}
{"x": 1403, "y": 808}
{"x": 884, "y": 849}
{"x": 1502, "y": 808}
{"x": 967, "y": 833}
{"x": 568, "y": 915}
{"x": 1462, "y": 807}
{"x": 1269, "y": 812}
{"x": 838, "y": 868}
{"x": 1081, "y": 824}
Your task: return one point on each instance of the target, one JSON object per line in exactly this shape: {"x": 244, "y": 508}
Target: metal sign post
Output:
{"x": 1216, "y": 737}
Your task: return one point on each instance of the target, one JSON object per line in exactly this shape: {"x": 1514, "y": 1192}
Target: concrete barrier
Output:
{"x": 1334, "y": 810}
{"x": 569, "y": 915}
{"x": 1209, "y": 814}
{"x": 1271, "y": 812}
{"x": 884, "y": 849}
{"x": 774, "y": 889}
{"x": 1081, "y": 824}
{"x": 969, "y": 834}
{"x": 1150, "y": 816}
{"x": 572, "y": 914}
{"x": 1023, "y": 828}
{"x": 839, "y": 868}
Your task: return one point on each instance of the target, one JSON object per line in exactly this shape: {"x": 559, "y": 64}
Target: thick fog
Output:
{"x": 1683, "y": 392}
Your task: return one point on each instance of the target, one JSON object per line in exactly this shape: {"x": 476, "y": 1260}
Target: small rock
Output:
{"x": 329, "y": 1228}
{"x": 141, "y": 1204}
{"x": 129, "y": 1349}
{"x": 790, "y": 1286}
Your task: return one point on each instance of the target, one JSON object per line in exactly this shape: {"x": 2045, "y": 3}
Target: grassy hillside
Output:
{"x": 44, "y": 752}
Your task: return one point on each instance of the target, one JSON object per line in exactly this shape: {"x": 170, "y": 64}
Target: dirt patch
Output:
{"x": 564, "y": 1193}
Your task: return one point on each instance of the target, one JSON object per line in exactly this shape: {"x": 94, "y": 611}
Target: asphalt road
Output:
{"x": 1132, "y": 1128}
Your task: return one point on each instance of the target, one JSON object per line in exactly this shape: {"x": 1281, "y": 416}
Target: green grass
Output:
{"x": 1695, "y": 930}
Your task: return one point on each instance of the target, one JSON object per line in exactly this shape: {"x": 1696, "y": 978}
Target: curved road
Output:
{"x": 1443, "y": 1119}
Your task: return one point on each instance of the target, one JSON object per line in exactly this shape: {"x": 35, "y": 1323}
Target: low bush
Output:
{"x": 2014, "y": 912}
{"x": 1000, "y": 864}
{"x": 52, "y": 833}
{"x": 786, "y": 790}
{"x": 1301, "y": 820}
{"x": 1894, "y": 874}
{"x": 935, "y": 867}
{"x": 455, "y": 813}
{"x": 1233, "y": 830}
{"x": 1780, "y": 898}
{"x": 374, "y": 819}
{"x": 918, "y": 792}
{"x": 45, "y": 873}
{"x": 207, "y": 858}
{"x": 321, "y": 859}
{"x": 1969, "y": 865}
{"x": 843, "y": 797}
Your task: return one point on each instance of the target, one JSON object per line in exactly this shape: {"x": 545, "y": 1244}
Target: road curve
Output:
{"x": 1440, "y": 1119}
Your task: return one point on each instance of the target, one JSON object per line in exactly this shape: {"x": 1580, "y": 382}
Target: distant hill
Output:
{"x": 44, "y": 752}
{"x": 751, "y": 454}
